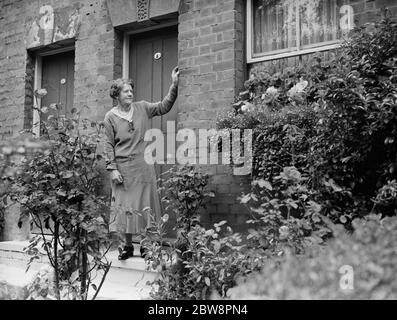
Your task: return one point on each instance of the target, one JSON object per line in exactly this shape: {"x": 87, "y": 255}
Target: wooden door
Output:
{"x": 153, "y": 55}
{"x": 58, "y": 80}
{"x": 57, "y": 77}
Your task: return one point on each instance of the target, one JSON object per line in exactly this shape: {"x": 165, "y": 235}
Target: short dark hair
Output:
{"x": 117, "y": 85}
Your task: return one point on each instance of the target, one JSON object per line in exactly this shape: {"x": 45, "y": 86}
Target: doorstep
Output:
{"x": 126, "y": 280}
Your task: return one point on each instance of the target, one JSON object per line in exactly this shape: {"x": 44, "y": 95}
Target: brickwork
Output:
{"x": 12, "y": 68}
{"x": 98, "y": 54}
{"x": 211, "y": 59}
{"x": 98, "y": 60}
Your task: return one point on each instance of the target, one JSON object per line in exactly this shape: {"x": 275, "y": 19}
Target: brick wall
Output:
{"x": 12, "y": 67}
{"x": 211, "y": 60}
{"x": 97, "y": 51}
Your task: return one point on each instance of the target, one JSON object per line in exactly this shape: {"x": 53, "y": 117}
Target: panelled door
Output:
{"x": 57, "y": 77}
{"x": 153, "y": 55}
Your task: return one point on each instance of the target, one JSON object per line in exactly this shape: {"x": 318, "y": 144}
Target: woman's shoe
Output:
{"x": 126, "y": 253}
{"x": 143, "y": 252}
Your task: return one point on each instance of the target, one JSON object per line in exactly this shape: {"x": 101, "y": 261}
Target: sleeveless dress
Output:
{"x": 124, "y": 150}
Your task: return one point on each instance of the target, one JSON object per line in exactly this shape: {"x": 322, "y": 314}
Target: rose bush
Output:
{"x": 333, "y": 121}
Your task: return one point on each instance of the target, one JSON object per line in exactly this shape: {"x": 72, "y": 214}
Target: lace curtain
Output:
{"x": 278, "y": 28}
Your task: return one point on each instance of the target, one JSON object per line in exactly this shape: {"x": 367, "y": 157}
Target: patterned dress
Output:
{"x": 124, "y": 151}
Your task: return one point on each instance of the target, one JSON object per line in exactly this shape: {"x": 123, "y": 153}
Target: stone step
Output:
{"x": 126, "y": 280}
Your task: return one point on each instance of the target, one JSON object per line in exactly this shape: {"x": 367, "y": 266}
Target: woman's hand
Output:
{"x": 116, "y": 177}
{"x": 175, "y": 76}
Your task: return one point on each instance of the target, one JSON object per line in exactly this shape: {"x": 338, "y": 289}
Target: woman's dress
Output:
{"x": 124, "y": 151}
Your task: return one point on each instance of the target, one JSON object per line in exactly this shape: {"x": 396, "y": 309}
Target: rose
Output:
{"x": 291, "y": 173}
{"x": 270, "y": 95}
{"x": 284, "y": 232}
{"x": 296, "y": 91}
{"x": 7, "y": 150}
{"x": 248, "y": 107}
{"x": 272, "y": 91}
{"x": 301, "y": 85}
{"x": 40, "y": 93}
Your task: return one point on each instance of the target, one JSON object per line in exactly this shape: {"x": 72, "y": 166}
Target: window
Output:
{"x": 283, "y": 28}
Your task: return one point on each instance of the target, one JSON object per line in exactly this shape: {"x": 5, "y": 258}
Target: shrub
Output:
{"x": 323, "y": 273}
{"x": 210, "y": 263}
{"x": 11, "y": 152}
{"x": 333, "y": 121}
{"x": 58, "y": 188}
{"x": 200, "y": 261}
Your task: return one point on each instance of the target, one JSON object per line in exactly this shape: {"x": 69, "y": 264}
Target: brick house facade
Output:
{"x": 212, "y": 37}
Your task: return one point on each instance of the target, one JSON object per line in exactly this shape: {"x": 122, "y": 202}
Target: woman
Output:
{"x": 134, "y": 184}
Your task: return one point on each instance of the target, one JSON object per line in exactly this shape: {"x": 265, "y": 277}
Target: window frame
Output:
{"x": 283, "y": 53}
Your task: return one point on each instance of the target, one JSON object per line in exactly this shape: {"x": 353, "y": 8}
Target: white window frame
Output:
{"x": 252, "y": 58}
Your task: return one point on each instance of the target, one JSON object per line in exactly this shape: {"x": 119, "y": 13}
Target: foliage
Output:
{"x": 10, "y": 292}
{"x": 216, "y": 260}
{"x": 11, "y": 151}
{"x": 210, "y": 263}
{"x": 200, "y": 261}
{"x": 321, "y": 273}
{"x": 41, "y": 287}
{"x": 278, "y": 224}
{"x": 184, "y": 194}
{"x": 59, "y": 190}
{"x": 333, "y": 122}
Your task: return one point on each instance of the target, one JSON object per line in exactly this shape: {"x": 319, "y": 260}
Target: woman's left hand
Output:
{"x": 175, "y": 76}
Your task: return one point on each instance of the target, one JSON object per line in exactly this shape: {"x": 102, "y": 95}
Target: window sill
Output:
{"x": 293, "y": 53}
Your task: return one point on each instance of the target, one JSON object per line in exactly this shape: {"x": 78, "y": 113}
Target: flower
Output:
{"x": 301, "y": 85}
{"x": 291, "y": 173}
{"x": 272, "y": 91}
{"x": 283, "y": 229}
{"x": 40, "y": 93}
{"x": 7, "y": 150}
{"x": 270, "y": 95}
{"x": 21, "y": 150}
{"x": 165, "y": 218}
{"x": 248, "y": 107}
{"x": 284, "y": 232}
{"x": 297, "y": 89}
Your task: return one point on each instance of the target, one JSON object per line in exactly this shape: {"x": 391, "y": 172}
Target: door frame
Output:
{"x": 126, "y": 44}
{"x": 38, "y": 72}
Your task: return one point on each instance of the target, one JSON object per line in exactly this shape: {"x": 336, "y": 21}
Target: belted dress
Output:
{"x": 124, "y": 150}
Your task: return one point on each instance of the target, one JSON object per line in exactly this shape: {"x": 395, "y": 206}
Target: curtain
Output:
{"x": 319, "y": 21}
{"x": 276, "y": 28}
{"x": 274, "y": 25}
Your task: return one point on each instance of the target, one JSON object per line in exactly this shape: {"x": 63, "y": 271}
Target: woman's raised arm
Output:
{"x": 164, "y": 106}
